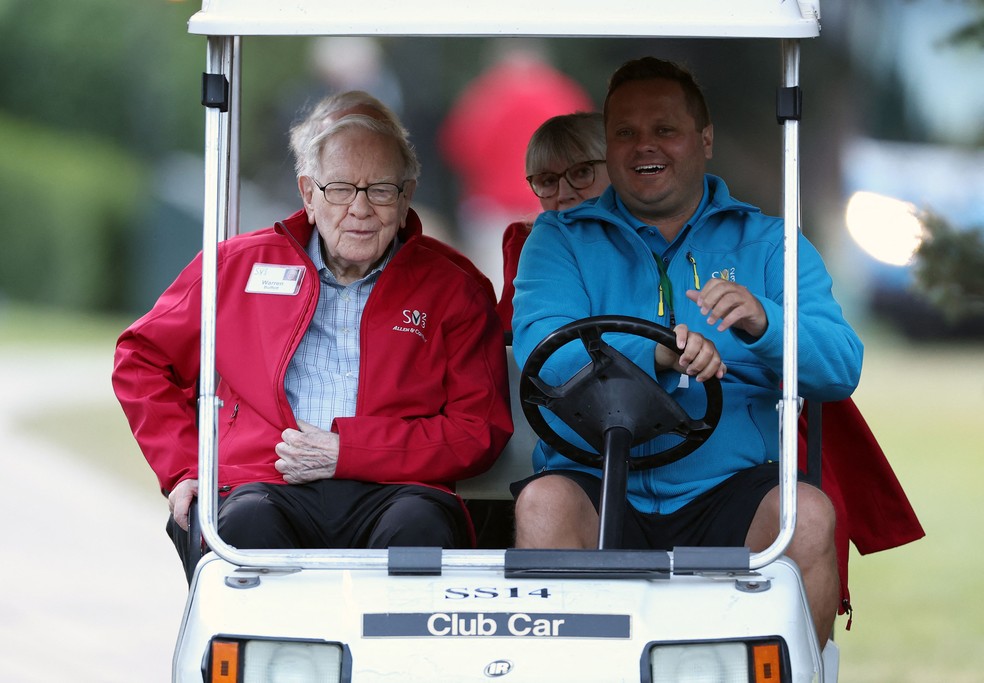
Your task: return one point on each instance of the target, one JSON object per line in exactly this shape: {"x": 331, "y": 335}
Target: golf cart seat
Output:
{"x": 515, "y": 462}
{"x": 487, "y": 496}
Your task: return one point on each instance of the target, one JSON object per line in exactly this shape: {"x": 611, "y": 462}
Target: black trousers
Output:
{"x": 332, "y": 513}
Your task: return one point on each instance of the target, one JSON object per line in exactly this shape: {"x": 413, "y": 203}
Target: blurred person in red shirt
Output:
{"x": 484, "y": 138}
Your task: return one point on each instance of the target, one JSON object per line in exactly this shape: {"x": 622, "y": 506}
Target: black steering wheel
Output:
{"x": 610, "y": 392}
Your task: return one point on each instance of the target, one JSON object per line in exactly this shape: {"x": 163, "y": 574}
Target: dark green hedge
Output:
{"x": 66, "y": 205}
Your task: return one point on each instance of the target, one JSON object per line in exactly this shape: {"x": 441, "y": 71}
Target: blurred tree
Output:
{"x": 125, "y": 77}
{"x": 86, "y": 105}
{"x": 950, "y": 268}
{"x": 104, "y": 67}
{"x": 973, "y": 32}
{"x": 949, "y": 263}
{"x": 66, "y": 200}
{"x": 93, "y": 96}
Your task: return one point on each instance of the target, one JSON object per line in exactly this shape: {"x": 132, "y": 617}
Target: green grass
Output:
{"x": 26, "y": 327}
{"x": 114, "y": 451}
{"x": 917, "y": 615}
{"x": 37, "y": 326}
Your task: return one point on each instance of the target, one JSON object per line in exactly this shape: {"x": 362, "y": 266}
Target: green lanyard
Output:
{"x": 665, "y": 287}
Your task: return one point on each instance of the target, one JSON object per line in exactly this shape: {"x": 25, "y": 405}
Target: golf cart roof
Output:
{"x": 695, "y": 18}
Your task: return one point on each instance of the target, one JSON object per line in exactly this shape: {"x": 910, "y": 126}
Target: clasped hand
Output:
{"x": 307, "y": 454}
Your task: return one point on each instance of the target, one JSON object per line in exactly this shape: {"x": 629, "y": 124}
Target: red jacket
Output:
{"x": 433, "y": 402}
{"x": 513, "y": 240}
{"x": 873, "y": 511}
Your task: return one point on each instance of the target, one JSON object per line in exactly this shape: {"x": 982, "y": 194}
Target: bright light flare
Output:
{"x": 888, "y": 229}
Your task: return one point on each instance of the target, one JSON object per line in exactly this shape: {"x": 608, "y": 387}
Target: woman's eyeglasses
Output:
{"x": 579, "y": 175}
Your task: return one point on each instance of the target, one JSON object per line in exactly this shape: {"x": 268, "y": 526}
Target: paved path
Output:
{"x": 90, "y": 587}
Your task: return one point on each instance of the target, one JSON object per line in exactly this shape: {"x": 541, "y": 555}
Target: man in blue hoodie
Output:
{"x": 667, "y": 243}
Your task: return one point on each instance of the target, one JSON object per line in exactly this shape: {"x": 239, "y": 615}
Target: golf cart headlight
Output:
{"x": 718, "y": 662}
{"x": 275, "y": 661}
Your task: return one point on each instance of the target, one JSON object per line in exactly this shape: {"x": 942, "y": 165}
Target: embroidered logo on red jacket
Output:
{"x": 414, "y": 321}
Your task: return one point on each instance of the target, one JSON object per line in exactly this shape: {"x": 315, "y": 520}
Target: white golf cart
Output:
{"x": 423, "y": 614}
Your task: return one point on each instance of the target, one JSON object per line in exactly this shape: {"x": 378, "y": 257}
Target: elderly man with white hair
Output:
{"x": 362, "y": 367}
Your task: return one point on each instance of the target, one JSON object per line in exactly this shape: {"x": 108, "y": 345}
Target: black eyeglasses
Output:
{"x": 378, "y": 194}
{"x": 580, "y": 176}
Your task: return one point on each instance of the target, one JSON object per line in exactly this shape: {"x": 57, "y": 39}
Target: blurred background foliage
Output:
{"x": 101, "y": 135}
{"x": 101, "y": 127}
{"x": 68, "y": 201}
{"x": 94, "y": 97}
{"x": 951, "y": 268}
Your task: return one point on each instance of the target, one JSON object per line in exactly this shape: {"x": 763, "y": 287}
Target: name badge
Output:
{"x": 267, "y": 278}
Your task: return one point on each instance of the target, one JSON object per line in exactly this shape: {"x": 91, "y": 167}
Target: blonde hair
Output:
{"x": 570, "y": 138}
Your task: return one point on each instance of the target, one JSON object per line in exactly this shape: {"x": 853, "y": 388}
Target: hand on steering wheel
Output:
{"x": 612, "y": 391}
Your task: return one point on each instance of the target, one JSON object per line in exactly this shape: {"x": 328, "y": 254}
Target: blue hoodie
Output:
{"x": 589, "y": 261}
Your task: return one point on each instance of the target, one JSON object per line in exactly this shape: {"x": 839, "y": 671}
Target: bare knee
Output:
{"x": 815, "y": 521}
{"x": 554, "y": 512}
{"x": 547, "y": 495}
{"x": 812, "y": 548}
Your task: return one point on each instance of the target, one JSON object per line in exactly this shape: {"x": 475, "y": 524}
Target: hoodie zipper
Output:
{"x": 693, "y": 264}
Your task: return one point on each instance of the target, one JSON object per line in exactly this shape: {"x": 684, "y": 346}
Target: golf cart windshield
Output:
{"x": 224, "y": 22}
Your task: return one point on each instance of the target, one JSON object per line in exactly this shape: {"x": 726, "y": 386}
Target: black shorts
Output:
{"x": 719, "y": 517}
